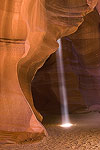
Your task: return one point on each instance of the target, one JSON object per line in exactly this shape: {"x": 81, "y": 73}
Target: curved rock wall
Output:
{"x": 81, "y": 52}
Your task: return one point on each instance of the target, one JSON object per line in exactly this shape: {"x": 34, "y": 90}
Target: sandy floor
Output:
{"x": 84, "y": 135}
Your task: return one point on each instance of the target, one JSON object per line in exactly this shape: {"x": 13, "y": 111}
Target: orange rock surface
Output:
{"x": 28, "y": 34}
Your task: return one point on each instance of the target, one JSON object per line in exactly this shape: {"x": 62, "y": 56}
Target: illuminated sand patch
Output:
{"x": 66, "y": 125}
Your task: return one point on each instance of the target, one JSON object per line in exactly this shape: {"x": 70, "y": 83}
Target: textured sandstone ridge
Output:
{"x": 41, "y": 25}
{"x": 62, "y": 20}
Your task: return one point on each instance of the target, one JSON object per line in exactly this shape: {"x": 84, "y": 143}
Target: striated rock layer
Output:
{"x": 86, "y": 45}
{"x": 18, "y": 122}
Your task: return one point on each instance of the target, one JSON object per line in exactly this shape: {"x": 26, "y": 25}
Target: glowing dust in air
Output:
{"x": 62, "y": 88}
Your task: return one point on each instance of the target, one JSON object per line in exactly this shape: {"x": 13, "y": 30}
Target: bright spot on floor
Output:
{"x": 66, "y": 125}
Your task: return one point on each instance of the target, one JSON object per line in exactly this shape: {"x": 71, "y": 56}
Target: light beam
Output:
{"x": 62, "y": 87}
